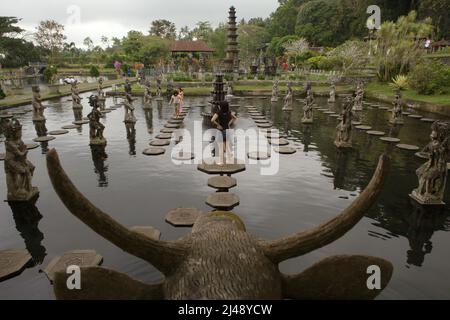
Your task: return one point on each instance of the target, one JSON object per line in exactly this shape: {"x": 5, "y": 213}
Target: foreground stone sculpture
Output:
{"x": 219, "y": 259}
{"x": 275, "y": 92}
{"x": 76, "y": 100}
{"x": 95, "y": 126}
{"x": 433, "y": 174}
{"x": 101, "y": 94}
{"x": 344, "y": 128}
{"x": 397, "y": 113}
{"x": 38, "y": 108}
{"x": 308, "y": 109}
{"x": 19, "y": 171}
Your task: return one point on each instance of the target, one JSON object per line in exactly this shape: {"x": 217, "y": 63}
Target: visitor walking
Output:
{"x": 176, "y": 101}
{"x": 223, "y": 119}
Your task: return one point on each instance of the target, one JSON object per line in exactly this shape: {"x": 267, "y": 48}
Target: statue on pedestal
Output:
{"x": 344, "y": 128}
{"x": 397, "y": 113}
{"x": 38, "y": 108}
{"x": 19, "y": 171}
{"x": 308, "y": 109}
{"x": 101, "y": 94}
{"x": 288, "y": 100}
{"x": 274, "y": 92}
{"x": 129, "y": 109}
{"x": 95, "y": 126}
{"x": 433, "y": 174}
{"x": 76, "y": 100}
{"x": 147, "y": 94}
{"x": 358, "y": 106}
{"x": 332, "y": 98}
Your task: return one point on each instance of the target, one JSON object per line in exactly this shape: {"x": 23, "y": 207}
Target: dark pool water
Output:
{"x": 311, "y": 187}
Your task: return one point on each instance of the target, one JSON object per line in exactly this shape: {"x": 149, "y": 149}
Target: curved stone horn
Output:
{"x": 165, "y": 256}
{"x": 309, "y": 240}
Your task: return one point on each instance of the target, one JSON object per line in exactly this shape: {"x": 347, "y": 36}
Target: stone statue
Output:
{"x": 101, "y": 94}
{"x": 289, "y": 88}
{"x": 38, "y": 108}
{"x": 220, "y": 238}
{"x": 344, "y": 128}
{"x": 433, "y": 174}
{"x": 19, "y": 171}
{"x": 229, "y": 95}
{"x": 95, "y": 126}
{"x": 332, "y": 98}
{"x": 358, "y": 106}
{"x": 129, "y": 109}
{"x": 158, "y": 88}
{"x": 76, "y": 100}
{"x": 147, "y": 94}
{"x": 127, "y": 86}
{"x": 397, "y": 113}
{"x": 308, "y": 109}
{"x": 288, "y": 101}
{"x": 275, "y": 92}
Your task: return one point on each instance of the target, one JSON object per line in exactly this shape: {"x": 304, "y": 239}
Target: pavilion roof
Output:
{"x": 189, "y": 46}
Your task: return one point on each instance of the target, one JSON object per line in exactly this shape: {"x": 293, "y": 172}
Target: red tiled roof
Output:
{"x": 189, "y": 46}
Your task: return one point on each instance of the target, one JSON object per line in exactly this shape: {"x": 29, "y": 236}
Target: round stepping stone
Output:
{"x": 258, "y": 117}
{"x": 171, "y": 125}
{"x": 71, "y": 126}
{"x": 334, "y": 115}
{"x": 261, "y": 121}
{"x": 390, "y": 139}
{"x": 285, "y": 150}
{"x": 58, "y": 132}
{"x": 329, "y": 112}
{"x": 81, "y": 122}
{"x": 154, "y": 151}
{"x": 159, "y": 143}
{"x": 175, "y": 121}
{"x": 18, "y": 113}
{"x": 168, "y": 130}
{"x": 256, "y": 155}
{"x": 32, "y": 145}
{"x": 164, "y": 136}
{"x": 407, "y": 147}
{"x": 183, "y": 217}
{"x": 44, "y": 139}
{"x": 375, "y": 133}
{"x": 428, "y": 120}
{"x": 415, "y": 116}
{"x": 222, "y": 200}
{"x": 272, "y": 135}
{"x": 184, "y": 156}
{"x": 264, "y": 125}
{"x": 149, "y": 232}
{"x": 2, "y": 157}
{"x": 209, "y": 167}
{"x": 406, "y": 113}
{"x": 383, "y": 108}
{"x": 422, "y": 155}
{"x": 13, "y": 262}
{"x": 322, "y": 109}
{"x": 80, "y": 258}
{"x": 363, "y": 127}
{"x": 222, "y": 182}
{"x": 278, "y": 142}
{"x": 6, "y": 116}
{"x": 356, "y": 123}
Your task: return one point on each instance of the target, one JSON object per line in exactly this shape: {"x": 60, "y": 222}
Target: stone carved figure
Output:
{"x": 308, "y": 109}
{"x": 129, "y": 109}
{"x": 101, "y": 94}
{"x": 158, "y": 88}
{"x": 275, "y": 92}
{"x": 219, "y": 241}
{"x": 359, "y": 96}
{"x": 288, "y": 101}
{"x": 344, "y": 128}
{"x": 38, "y": 108}
{"x": 433, "y": 174}
{"x": 96, "y": 128}
{"x": 76, "y": 100}
{"x": 19, "y": 171}
{"x": 332, "y": 98}
{"x": 147, "y": 94}
{"x": 127, "y": 86}
{"x": 397, "y": 113}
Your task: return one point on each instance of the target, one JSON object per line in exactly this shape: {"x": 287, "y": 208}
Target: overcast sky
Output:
{"x": 114, "y": 18}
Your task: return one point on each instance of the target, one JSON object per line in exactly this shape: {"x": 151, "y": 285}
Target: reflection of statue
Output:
{"x": 308, "y": 109}
{"x": 127, "y": 86}
{"x": 149, "y": 120}
{"x": 98, "y": 157}
{"x": 95, "y": 126}
{"x": 38, "y": 108}
{"x": 397, "y": 114}
{"x": 287, "y": 122}
{"x": 359, "y": 96}
{"x": 41, "y": 128}
{"x": 76, "y": 100}
{"x": 332, "y": 98}
{"x": 129, "y": 109}
{"x": 344, "y": 128}
{"x": 131, "y": 137}
{"x": 340, "y": 172}
{"x": 158, "y": 88}
{"x": 19, "y": 171}
{"x": 275, "y": 91}
{"x": 27, "y": 217}
{"x": 433, "y": 174}
{"x": 307, "y": 133}
{"x": 101, "y": 94}
{"x": 288, "y": 100}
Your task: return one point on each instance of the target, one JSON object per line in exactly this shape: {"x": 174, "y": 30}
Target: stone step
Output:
{"x": 13, "y": 262}
{"x": 222, "y": 200}
{"x": 183, "y": 217}
{"x": 222, "y": 182}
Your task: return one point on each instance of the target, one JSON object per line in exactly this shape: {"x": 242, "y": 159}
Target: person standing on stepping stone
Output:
{"x": 223, "y": 119}
{"x": 176, "y": 100}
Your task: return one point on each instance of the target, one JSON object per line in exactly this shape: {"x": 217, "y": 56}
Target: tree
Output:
{"x": 88, "y": 43}
{"x": 8, "y": 28}
{"x": 276, "y": 46}
{"x": 49, "y": 35}
{"x": 438, "y": 11}
{"x": 294, "y": 48}
{"x": 185, "y": 33}
{"x": 202, "y": 30}
{"x": 251, "y": 39}
{"x": 282, "y": 22}
{"x": 163, "y": 28}
{"x": 352, "y": 55}
{"x": 218, "y": 40}
{"x": 105, "y": 41}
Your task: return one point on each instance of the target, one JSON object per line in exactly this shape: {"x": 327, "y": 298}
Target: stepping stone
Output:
{"x": 168, "y": 130}
{"x": 256, "y": 155}
{"x": 149, "y": 232}
{"x": 422, "y": 155}
{"x": 222, "y": 200}
{"x": 185, "y": 156}
{"x": 405, "y": 113}
{"x": 58, "y": 132}
{"x": 329, "y": 112}
{"x": 390, "y": 139}
{"x": 171, "y": 125}
{"x": 13, "y": 262}
{"x": 261, "y": 121}
{"x": 81, "y": 122}
{"x": 383, "y": 108}
{"x": 356, "y": 123}
{"x": 175, "y": 121}
{"x": 80, "y": 258}
{"x": 183, "y": 217}
{"x": 272, "y": 135}
{"x": 71, "y": 126}
{"x": 415, "y": 116}
{"x": 222, "y": 182}
{"x": 258, "y": 117}
{"x": 154, "y": 151}
{"x": 279, "y": 142}
{"x": 227, "y": 168}
{"x": 18, "y": 113}
{"x": 6, "y": 116}
{"x": 375, "y": 133}
{"x": 322, "y": 109}
{"x": 428, "y": 120}
{"x": 105, "y": 111}
{"x": 160, "y": 143}
{"x": 31, "y": 146}
{"x": 164, "y": 136}
{"x": 44, "y": 139}
{"x": 363, "y": 127}
{"x": 2, "y": 157}
{"x": 334, "y": 115}
{"x": 264, "y": 125}
{"x": 407, "y": 147}
{"x": 284, "y": 150}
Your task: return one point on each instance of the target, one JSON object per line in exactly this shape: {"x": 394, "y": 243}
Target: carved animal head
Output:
{"x": 220, "y": 260}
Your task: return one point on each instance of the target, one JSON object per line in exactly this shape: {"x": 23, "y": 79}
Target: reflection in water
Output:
{"x": 287, "y": 115}
{"x": 98, "y": 157}
{"x": 131, "y": 137}
{"x": 394, "y": 131}
{"x": 149, "y": 120}
{"x": 41, "y": 131}
{"x": 307, "y": 136}
{"x": 78, "y": 114}
{"x": 26, "y": 216}
{"x": 159, "y": 104}
{"x": 340, "y": 171}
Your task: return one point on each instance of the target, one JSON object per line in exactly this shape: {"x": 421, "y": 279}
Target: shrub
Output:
{"x": 400, "y": 82}
{"x": 320, "y": 62}
{"x": 429, "y": 78}
{"x": 2, "y": 93}
{"x": 50, "y": 73}
{"x": 93, "y": 72}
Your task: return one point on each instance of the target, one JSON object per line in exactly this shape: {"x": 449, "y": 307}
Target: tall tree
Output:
{"x": 163, "y": 28}
{"x": 185, "y": 33}
{"x": 88, "y": 43}
{"x": 49, "y": 35}
{"x": 202, "y": 30}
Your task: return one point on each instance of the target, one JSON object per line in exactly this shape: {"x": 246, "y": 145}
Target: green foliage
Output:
{"x": 163, "y": 29}
{"x": 430, "y": 78}
{"x": 400, "y": 82}
{"x": 438, "y": 11}
{"x": 217, "y": 40}
{"x": 350, "y": 55}
{"x": 282, "y": 21}
{"x": 2, "y": 93}
{"x": 276, "y": 46}
{"x": 250, "y": 40}
{"x": 320, "y": 62}
{"x": 49, "y": 74}
{"x": 93, "y": 72}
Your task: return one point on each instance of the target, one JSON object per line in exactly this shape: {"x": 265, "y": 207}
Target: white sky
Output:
{"x": 114, "y": 18}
